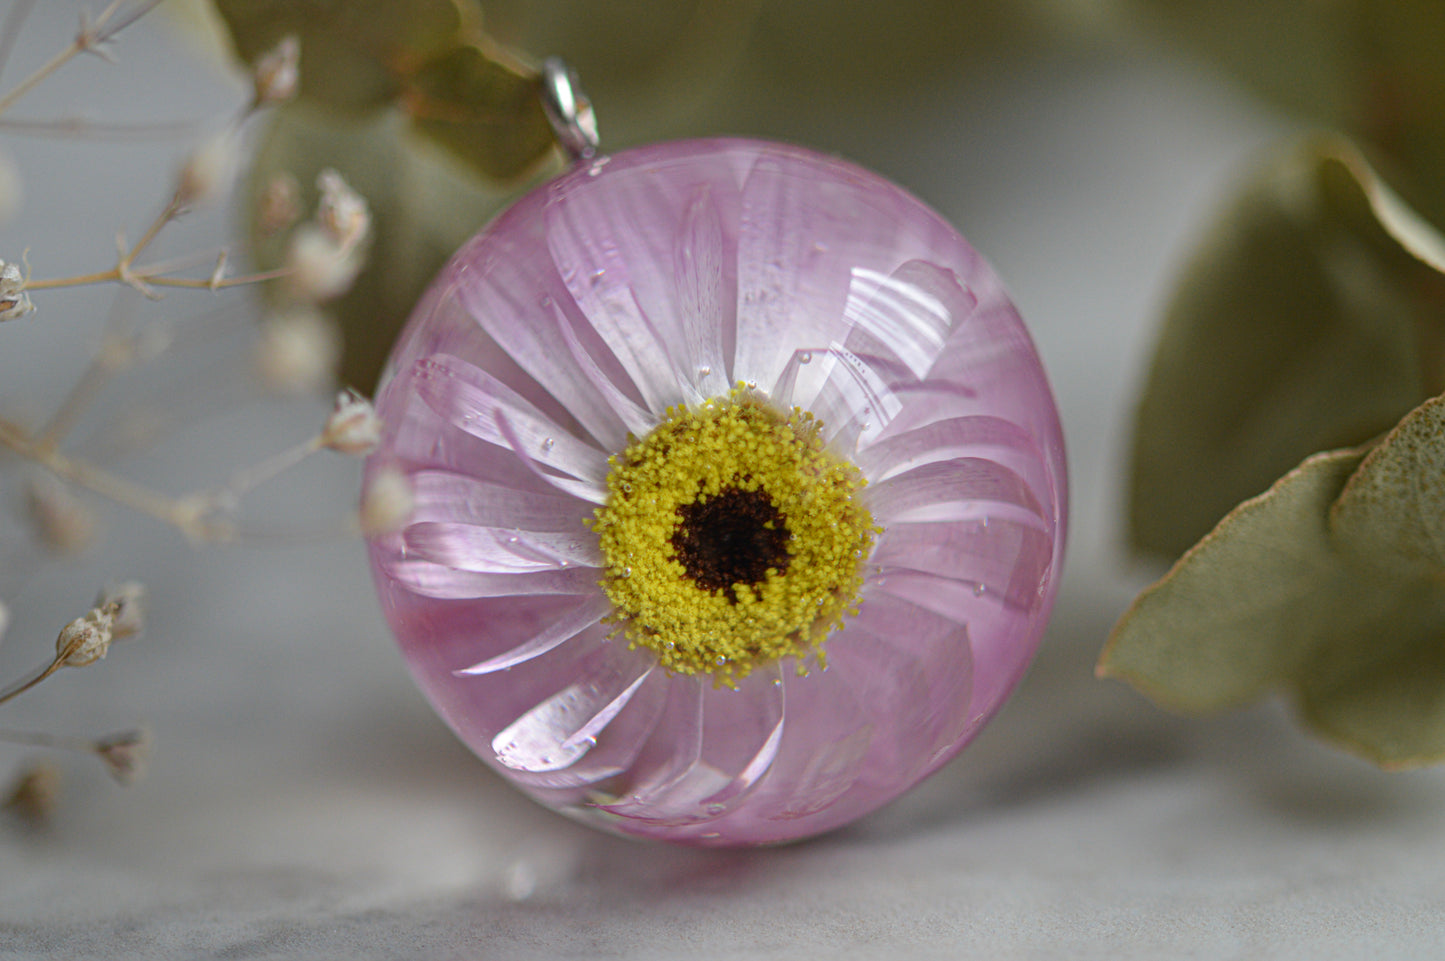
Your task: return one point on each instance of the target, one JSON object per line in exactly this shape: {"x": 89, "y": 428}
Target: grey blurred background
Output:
{"x": 303, "y": 801}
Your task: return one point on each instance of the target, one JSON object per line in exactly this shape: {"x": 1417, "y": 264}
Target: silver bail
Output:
{"x": 569, "y": 110}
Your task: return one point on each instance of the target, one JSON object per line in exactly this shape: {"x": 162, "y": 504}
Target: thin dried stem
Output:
{"x": 75, "y": 403}
{"x": 248, "y": 479}
{"x": 32, "y": 81}
{"x": 18, "y": 687}
{"x": 153, "y": 276}
{"x": 110, "y": 31}
{"x": 91, "y": 37}
{"x": 171, "y": 210}
{"x": 103, "y": 364}
{"x": 82, "y": 129}
{"x": 110, "y": 486}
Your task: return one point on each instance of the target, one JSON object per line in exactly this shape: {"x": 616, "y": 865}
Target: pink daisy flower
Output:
{"x": 738, "y": 493}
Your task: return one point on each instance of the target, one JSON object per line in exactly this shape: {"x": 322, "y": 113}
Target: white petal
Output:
{"x": 587, "y": 490}
{"x": 635, "y": 418}
{"x": 856, "y": 401}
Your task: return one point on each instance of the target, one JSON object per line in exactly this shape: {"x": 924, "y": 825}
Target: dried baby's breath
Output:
{"x": 296, "y": 351}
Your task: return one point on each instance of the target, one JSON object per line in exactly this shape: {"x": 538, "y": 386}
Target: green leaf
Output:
{"x": 487, "y": 113}
{"x": 1331, "y": 586}
{"x": 1383, "y": 697}
{"x": 423, "y": 203}
{"x": 1234, "y": 616}
{"x": 354, "y": 53}
{"x": 1312, "y": 318}
{"x": 1393, "y": 509}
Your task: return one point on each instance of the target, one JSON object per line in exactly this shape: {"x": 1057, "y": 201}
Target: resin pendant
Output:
{"x": 739, "y": 493}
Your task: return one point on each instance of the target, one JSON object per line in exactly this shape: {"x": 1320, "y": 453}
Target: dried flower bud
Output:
{"x": 387, "y": 504}
{"x": 298, "y": 351}
{"x": 63, "y": 522}
{"x": 279, "y": 205}
{"x": 208, "y": 171}
{"x": 86, "y": 639}
{"x": 11, "y": 188}
{"x": 278, "y": 72}
{"x": 125, "y": 754}
{"x": 35, "y": 792}
{"x": 353, "y": 427}
{"x": 342, "y": 212}
{"x": 126, "y": 603}
{"x": 318, "y": 267}
{"x": 14, "y": 301}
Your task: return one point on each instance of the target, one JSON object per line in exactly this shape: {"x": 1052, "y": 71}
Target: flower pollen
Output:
{"x": 732, "y": 537}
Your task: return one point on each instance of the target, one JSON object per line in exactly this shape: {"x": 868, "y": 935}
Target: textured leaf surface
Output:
{"x": 1312, "y": 318}
{"x": 1330, "y": 586}
{"x": 1231, "y": 620}
{"x": 1393, "y": 509}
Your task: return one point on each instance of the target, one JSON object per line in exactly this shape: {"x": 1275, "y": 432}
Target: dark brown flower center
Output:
{"x": 734, "y": 537}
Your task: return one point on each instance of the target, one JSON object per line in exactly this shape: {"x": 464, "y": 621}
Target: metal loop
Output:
{"x": 569, "y": 110}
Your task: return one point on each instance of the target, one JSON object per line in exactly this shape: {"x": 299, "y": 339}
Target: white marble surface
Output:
{"x": 304, "y": 803}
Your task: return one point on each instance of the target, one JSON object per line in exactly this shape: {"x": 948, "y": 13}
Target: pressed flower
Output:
{"x": 737, "y": 493}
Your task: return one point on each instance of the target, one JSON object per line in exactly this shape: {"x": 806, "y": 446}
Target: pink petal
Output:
{"x": 560, "y": 730}
{"x": 438, "y": 580}
{"x": 499, "y": 550}
{"x": 474, "y": 400}
{"x": 906, "y": 315}
{"x": 1005, "y": 558}
{"x": 613, "y": 250}
{"x": 708, "y": 751}
{"x": 563, "y": 629}
{"x": 964, "y": 488}
{"x": 978, "y": 436}
{"x": 447, "y": 496}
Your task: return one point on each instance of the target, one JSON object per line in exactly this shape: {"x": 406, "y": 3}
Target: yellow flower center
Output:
{"x": 732, "y": 537}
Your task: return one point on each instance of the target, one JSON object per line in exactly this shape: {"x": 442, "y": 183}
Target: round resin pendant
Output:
{"x": 739, "y": 493}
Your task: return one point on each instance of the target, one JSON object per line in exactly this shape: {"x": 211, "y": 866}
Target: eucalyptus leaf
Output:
{"x": 424, "y": 204}
{"x": 1234, "y": 617}
{"x": 354, "y": 52}
{"x": 1384, "y": 697}
{"x": 1311, "y": 318}
{"x": 487, "y": 112}
{"x": 1278, "y": 597}
{"x": 1393, "y": 509}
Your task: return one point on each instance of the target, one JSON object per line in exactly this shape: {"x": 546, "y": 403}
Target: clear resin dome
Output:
{"x": 739, "y": 493}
